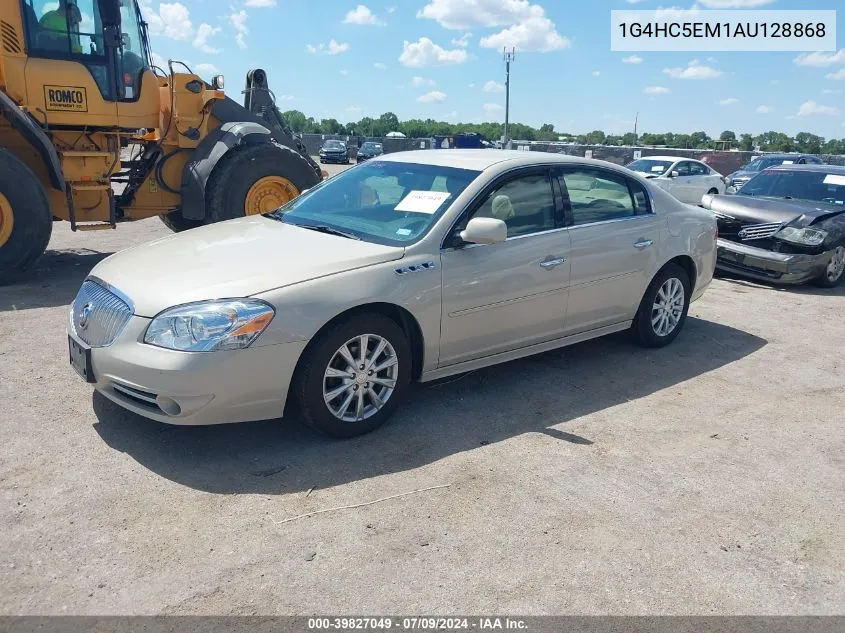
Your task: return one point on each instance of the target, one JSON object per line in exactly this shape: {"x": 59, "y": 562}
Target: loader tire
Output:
{"x": 176, "y": 223}
{"x": 254, "y": 179}
{"x": 25, "y": 219}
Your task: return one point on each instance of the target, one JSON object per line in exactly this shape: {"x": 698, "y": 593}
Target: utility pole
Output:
{"x": 508, "y": 57}
{"x": 636, "y": 120}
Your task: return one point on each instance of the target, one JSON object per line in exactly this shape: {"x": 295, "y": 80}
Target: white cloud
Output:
{"x": 633, "y": 59}
{"x": 419, "y": 82}
{"x": 452, "y": 116}
{"x": 633, "y": 1}
{"x": 260, "y": 4}
{"x": 493, "y": 86}
{"x": 206, "y": 70}
{"x": 285, "y": 98}
{"x": 527, "y": 27}
{"x": 839, "y": 74}
{"x": 380, "y": 65}
{"x": 810, "y": 108}
{"x": 596, "y": 73}
{"x": 489, "y": 108}
{"x": 764, "y": 109}
{"x": 656, "y": 90}
{"x": 159, "y": 61}
{"x": 435, "y": 96}
{"x": 344, "y": 72}
{"x": 831, "y": 92}
{"x": 470, "y": 86}
{"x": 362, "y": 15}
{"x": 734, "y": 4}
{"x": 711, "y": 60}
{"x": 463, "y": 40}
{"x": 424, "y": 53}
{"x": 534, "y": 35}
{"x": 391, "y": 9}
{"x": 332, "y": 48}
{"x": 204, "y": 32}
{"x": 729, "y": 101}
{"x": 172, "y": 20}
{"x": 238, "y": 21}
{"x": 695, "y": 70}
{"x": 820, "y": 59}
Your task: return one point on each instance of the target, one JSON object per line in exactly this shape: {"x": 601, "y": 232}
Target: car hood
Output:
{"x": 749, "y": 209}
{"x": 743, "y": 174}
{"x": 237, "y": 258}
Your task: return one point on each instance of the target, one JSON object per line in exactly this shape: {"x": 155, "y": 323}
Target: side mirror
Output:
{"x": 674, "y": 174}
{"x": 485, "y": 231}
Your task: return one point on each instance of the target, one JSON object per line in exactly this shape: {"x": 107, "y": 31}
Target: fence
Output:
{"x": 724, "y": 162}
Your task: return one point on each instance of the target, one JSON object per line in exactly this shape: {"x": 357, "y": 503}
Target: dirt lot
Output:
{"x": 707, "y": 477}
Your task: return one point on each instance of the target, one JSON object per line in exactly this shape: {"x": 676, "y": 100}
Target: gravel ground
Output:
{"x": 703, "y": 478}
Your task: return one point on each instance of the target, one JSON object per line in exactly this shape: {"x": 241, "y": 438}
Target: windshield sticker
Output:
{"x": 657, "y": 168}
{"x": 403, "y": 231}
{"x": 422, "y": 201}
{"x": 788, "y": 162}
{"x": 832, "y": 179}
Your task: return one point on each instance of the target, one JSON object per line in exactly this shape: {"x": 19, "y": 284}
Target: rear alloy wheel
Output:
{"x": 354, "y": 376}
{"x": 663, "y": 309}
{"x": 834, "y": 273}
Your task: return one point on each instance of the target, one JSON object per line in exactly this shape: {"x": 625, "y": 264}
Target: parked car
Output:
{"x": 334, "y": 152}
{"x": 757, "y": 164}
{"x": 684, "y": 178}
{"x": 786, "y": 225}
{"x": 414, "y": 267}
{"x": 369, "y": 150}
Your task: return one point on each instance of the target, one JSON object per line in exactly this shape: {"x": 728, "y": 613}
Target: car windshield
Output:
{"x": 372, "y": 147}
{"x": 380, "y": 201}
{"x": 762, "y": 162}
{"x": 334, "y": 145}
{"x": 813, "y": 186}
{"x": 651, "y": 166}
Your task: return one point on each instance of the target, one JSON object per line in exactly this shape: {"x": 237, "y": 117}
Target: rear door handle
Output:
{"x": 548, "y": 264}
{"x": 643, "y": 244}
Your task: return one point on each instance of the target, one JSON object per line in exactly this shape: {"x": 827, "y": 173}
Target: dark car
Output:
{"x": 786, "y": 225}
{"x": 334, "y": 152}
{"x": 757, "y": 164}
{"x": 369, "y": 150}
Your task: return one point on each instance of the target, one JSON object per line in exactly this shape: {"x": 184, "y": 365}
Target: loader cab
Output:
{"x": 80, "y": 30}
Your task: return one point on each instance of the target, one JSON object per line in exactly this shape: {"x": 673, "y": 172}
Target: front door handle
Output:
{"x": 548, "y": 264}
{"x": 643, "y": 244}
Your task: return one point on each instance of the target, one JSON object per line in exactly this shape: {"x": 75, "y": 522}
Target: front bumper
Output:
{"x": 765, "y": 265}
{"x": 194, "y": 388}
{"x": 334, "y": 158}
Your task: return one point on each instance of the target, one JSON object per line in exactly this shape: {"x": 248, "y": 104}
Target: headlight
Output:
{"x": 806, "y": 237}
{"x": 210, "y": 326}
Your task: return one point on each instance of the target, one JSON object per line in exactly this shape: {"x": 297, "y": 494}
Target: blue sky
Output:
{"x": 442, "y": 59}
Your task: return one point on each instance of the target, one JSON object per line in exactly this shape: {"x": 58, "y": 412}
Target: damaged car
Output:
{"x": 786, "y": 225}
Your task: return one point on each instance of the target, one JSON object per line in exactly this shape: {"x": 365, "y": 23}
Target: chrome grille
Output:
{"x": 98, "y": 315}
{"x": 751, "y": 232}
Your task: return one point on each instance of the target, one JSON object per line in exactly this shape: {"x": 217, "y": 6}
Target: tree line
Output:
{"x": 772, "y": 141}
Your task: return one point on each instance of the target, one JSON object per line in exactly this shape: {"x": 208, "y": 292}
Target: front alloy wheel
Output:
{"x": 663, "y": 308}
{"x": 835, "y": 270}
{"x": 360, "y": 378}
{"x": 668, "y": 307}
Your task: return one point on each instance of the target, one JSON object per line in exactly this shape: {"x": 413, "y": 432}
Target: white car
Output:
{"x": 686, "y": 179}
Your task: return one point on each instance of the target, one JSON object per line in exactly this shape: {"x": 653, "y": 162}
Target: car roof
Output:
{"x": 481, "y": 159}
{"x": 787, "y": 155}
{"x": 669, "y": 158}
{"x": 827, "y": 169}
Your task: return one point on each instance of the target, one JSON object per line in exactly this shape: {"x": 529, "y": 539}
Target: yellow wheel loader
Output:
{"x": 92, "y": 133}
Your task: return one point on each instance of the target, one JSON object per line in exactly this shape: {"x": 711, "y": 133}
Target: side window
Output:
{"x": 526, "y": 204}
{"x": 683, "y": 168}
{"x": 812, "y": 160}
{"x": 596, "y": 195}
{"x": 697, "y": 169}
{"x": 642, "y": 205}
{"x": 65, "y": 27}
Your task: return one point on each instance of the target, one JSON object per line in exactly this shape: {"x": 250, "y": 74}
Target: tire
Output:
{"x": 309, "y": 381}
{"x": 644, "y": 330}
{"x": 25, "y": 220}
{"x": 831, "y": 278}
{"x": 242, "y": 167}
{"x": 176, "y": 223}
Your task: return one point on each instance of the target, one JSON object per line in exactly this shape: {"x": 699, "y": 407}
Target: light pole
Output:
{"x": 508, "y": 57}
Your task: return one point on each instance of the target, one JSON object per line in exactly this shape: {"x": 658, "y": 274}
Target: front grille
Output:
{"x": 751, "y": 232}
{"x": 98, "y": 315}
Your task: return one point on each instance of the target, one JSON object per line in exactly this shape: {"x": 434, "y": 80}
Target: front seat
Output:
{"x": 502, "y": 209}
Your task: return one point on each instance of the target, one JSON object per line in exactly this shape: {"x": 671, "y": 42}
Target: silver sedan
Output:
{"x": 409, "y": 267}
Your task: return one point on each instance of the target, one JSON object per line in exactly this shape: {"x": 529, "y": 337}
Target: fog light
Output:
{"x": 169, "y": 406}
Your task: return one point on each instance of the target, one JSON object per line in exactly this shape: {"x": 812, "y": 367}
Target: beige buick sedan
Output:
{"x": 412, "y": 266}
